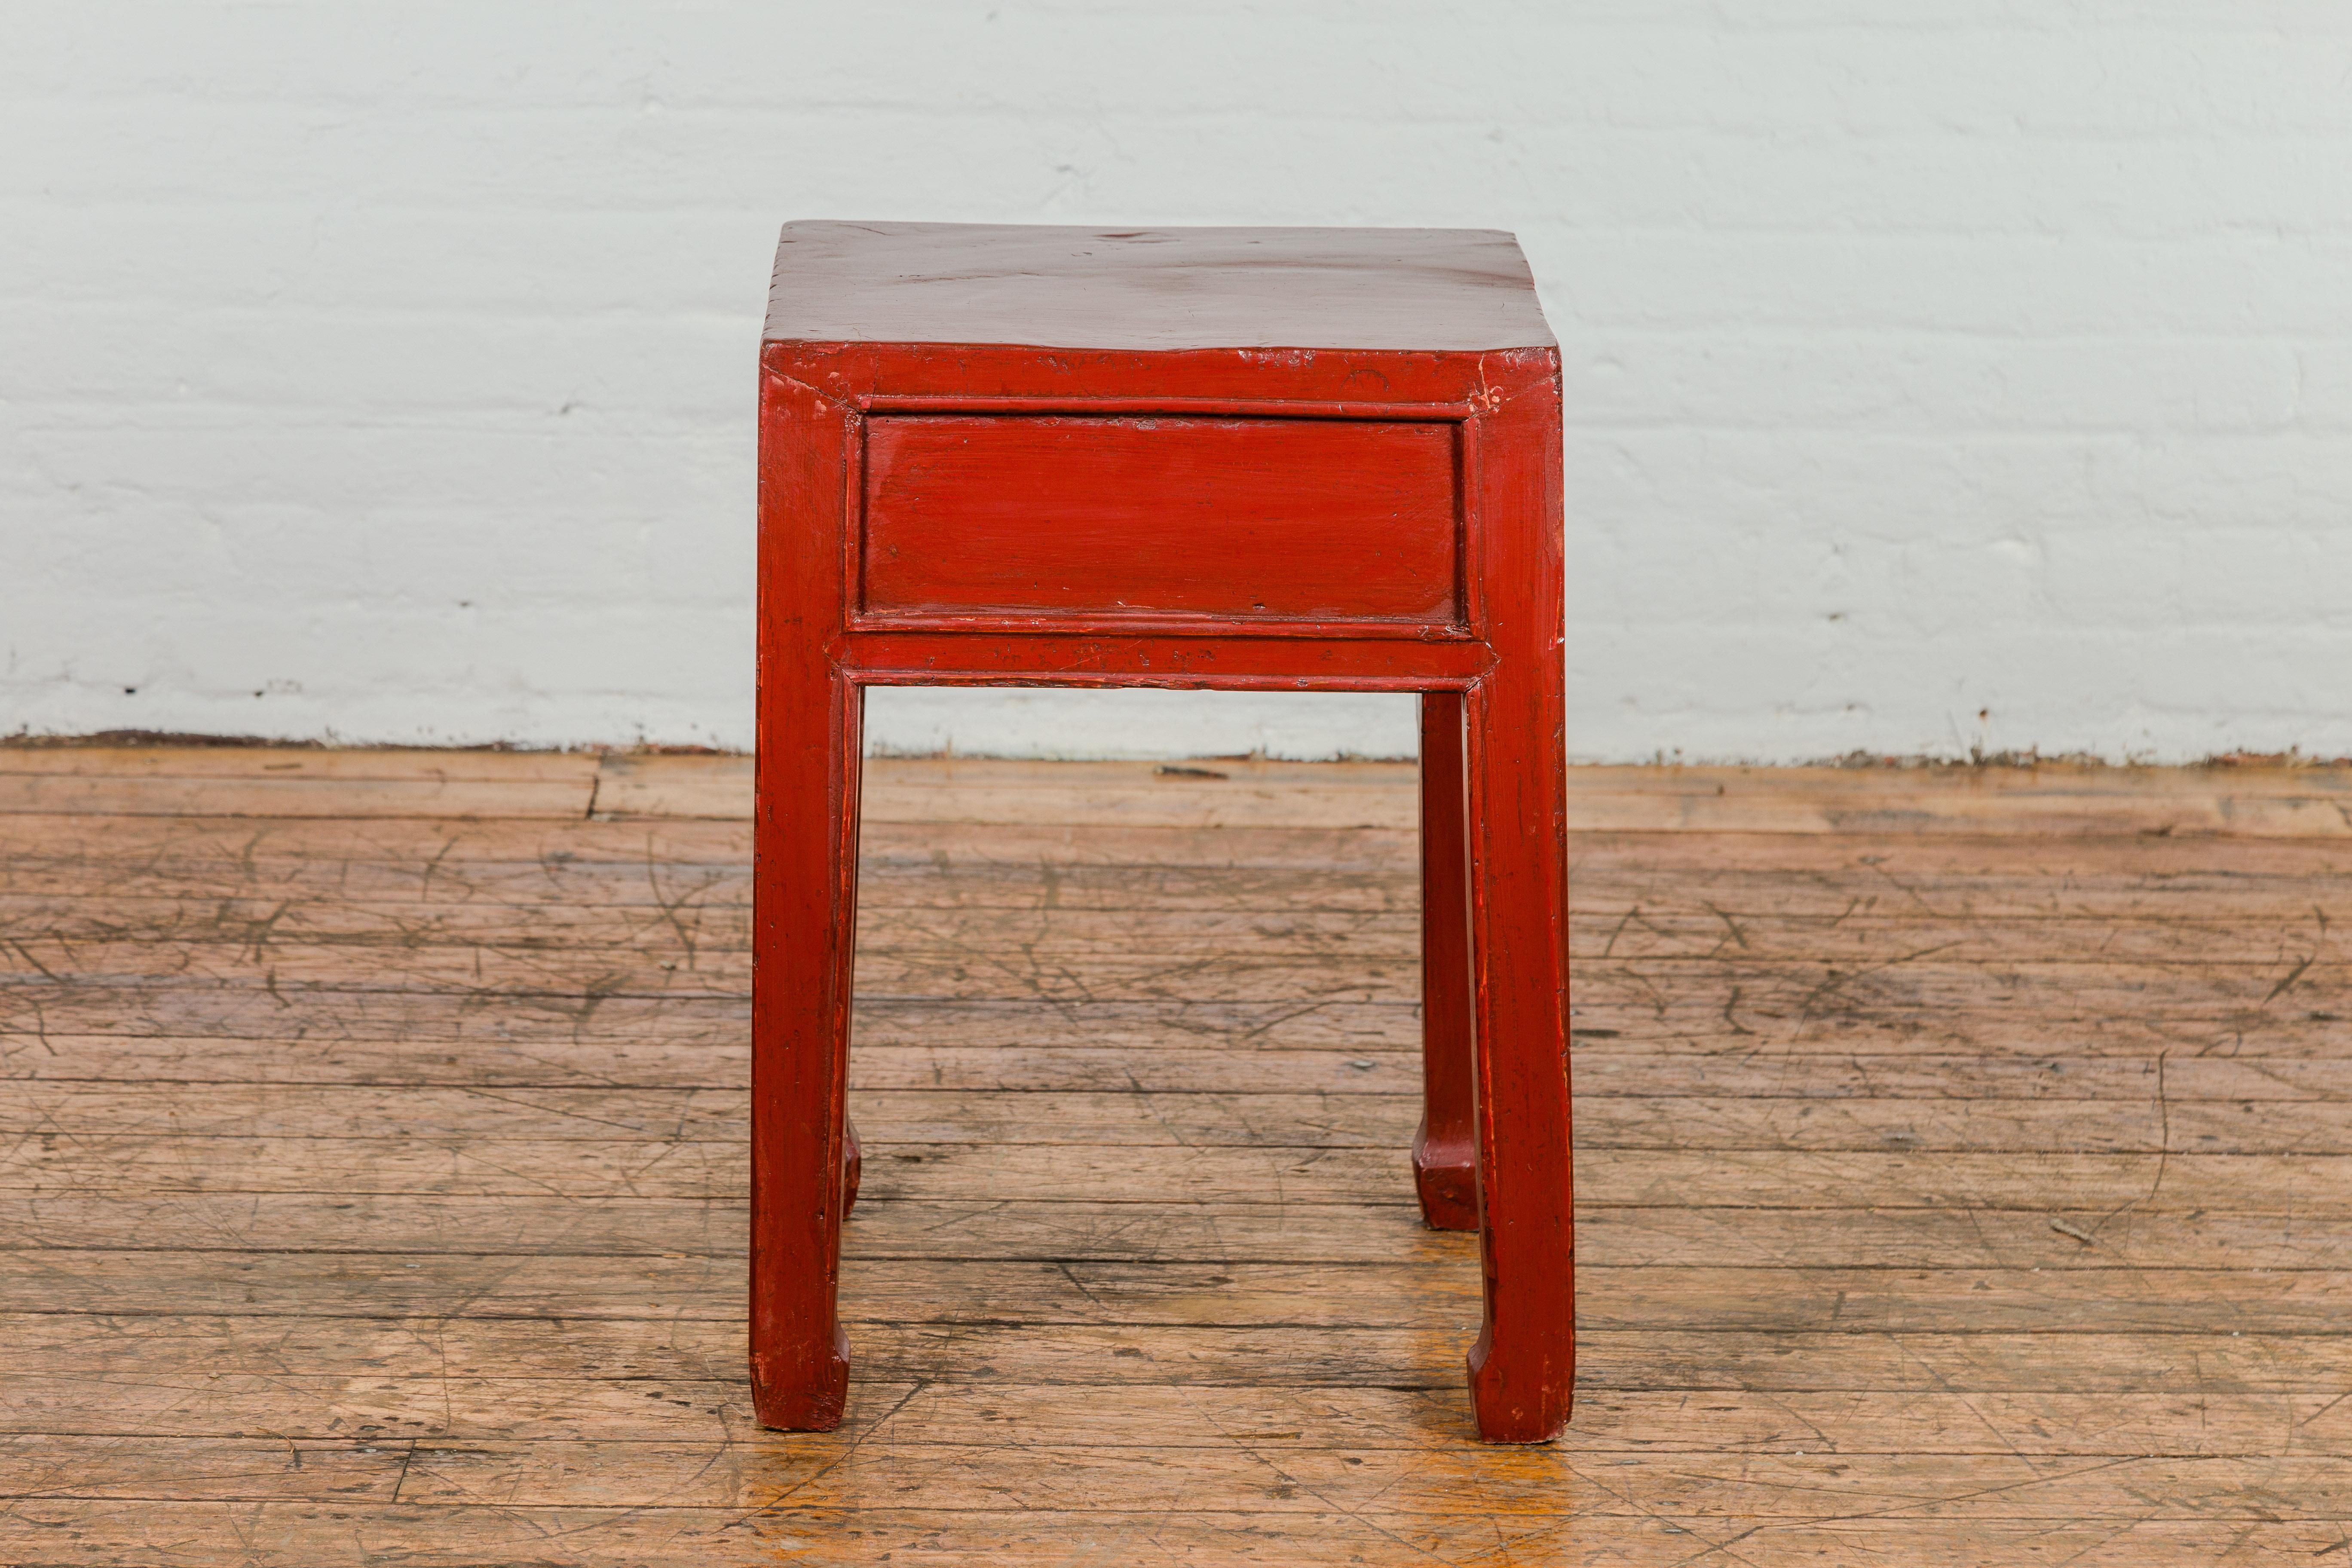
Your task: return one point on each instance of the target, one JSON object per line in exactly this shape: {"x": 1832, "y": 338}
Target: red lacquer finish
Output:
{"x": 1445, "y": 1150}
{"x": 1232, "y": 458}
{"x": 1151, "y": 516}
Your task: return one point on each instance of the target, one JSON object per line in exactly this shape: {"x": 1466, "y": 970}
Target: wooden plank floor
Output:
{"x": 1965, "y": 1172}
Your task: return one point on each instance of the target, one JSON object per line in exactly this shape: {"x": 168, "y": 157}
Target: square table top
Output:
{"x": 1438, "y": 291}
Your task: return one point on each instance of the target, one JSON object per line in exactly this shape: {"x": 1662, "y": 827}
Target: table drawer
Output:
{"x": 1161, "y": 517}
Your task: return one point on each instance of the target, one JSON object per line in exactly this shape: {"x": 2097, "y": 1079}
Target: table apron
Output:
{"x": 1237, "y": 664}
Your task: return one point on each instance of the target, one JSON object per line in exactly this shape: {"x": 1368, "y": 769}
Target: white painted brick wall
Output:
{"x": 1940, "y": 372}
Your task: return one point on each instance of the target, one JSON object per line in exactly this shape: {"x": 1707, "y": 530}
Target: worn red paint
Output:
{"x": 984, "y": 457}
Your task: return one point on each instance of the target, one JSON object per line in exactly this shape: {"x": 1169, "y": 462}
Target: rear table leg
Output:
{"x": 1445, "y": 1150}
{"x": 852, "y": 1166}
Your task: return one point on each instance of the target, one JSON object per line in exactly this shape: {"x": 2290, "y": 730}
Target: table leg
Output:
{"x": 804, "y": 1165}
{"x": 1445, "y": 1150}
{"x": 1522, "y": 1369}
{"x": 853, "y": 1166}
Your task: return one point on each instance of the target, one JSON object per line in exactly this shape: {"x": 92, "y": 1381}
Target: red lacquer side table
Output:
{"x": 1249, "y": 459}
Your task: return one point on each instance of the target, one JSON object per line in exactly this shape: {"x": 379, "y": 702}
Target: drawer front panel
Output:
{"x": 1155, "y": 517}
